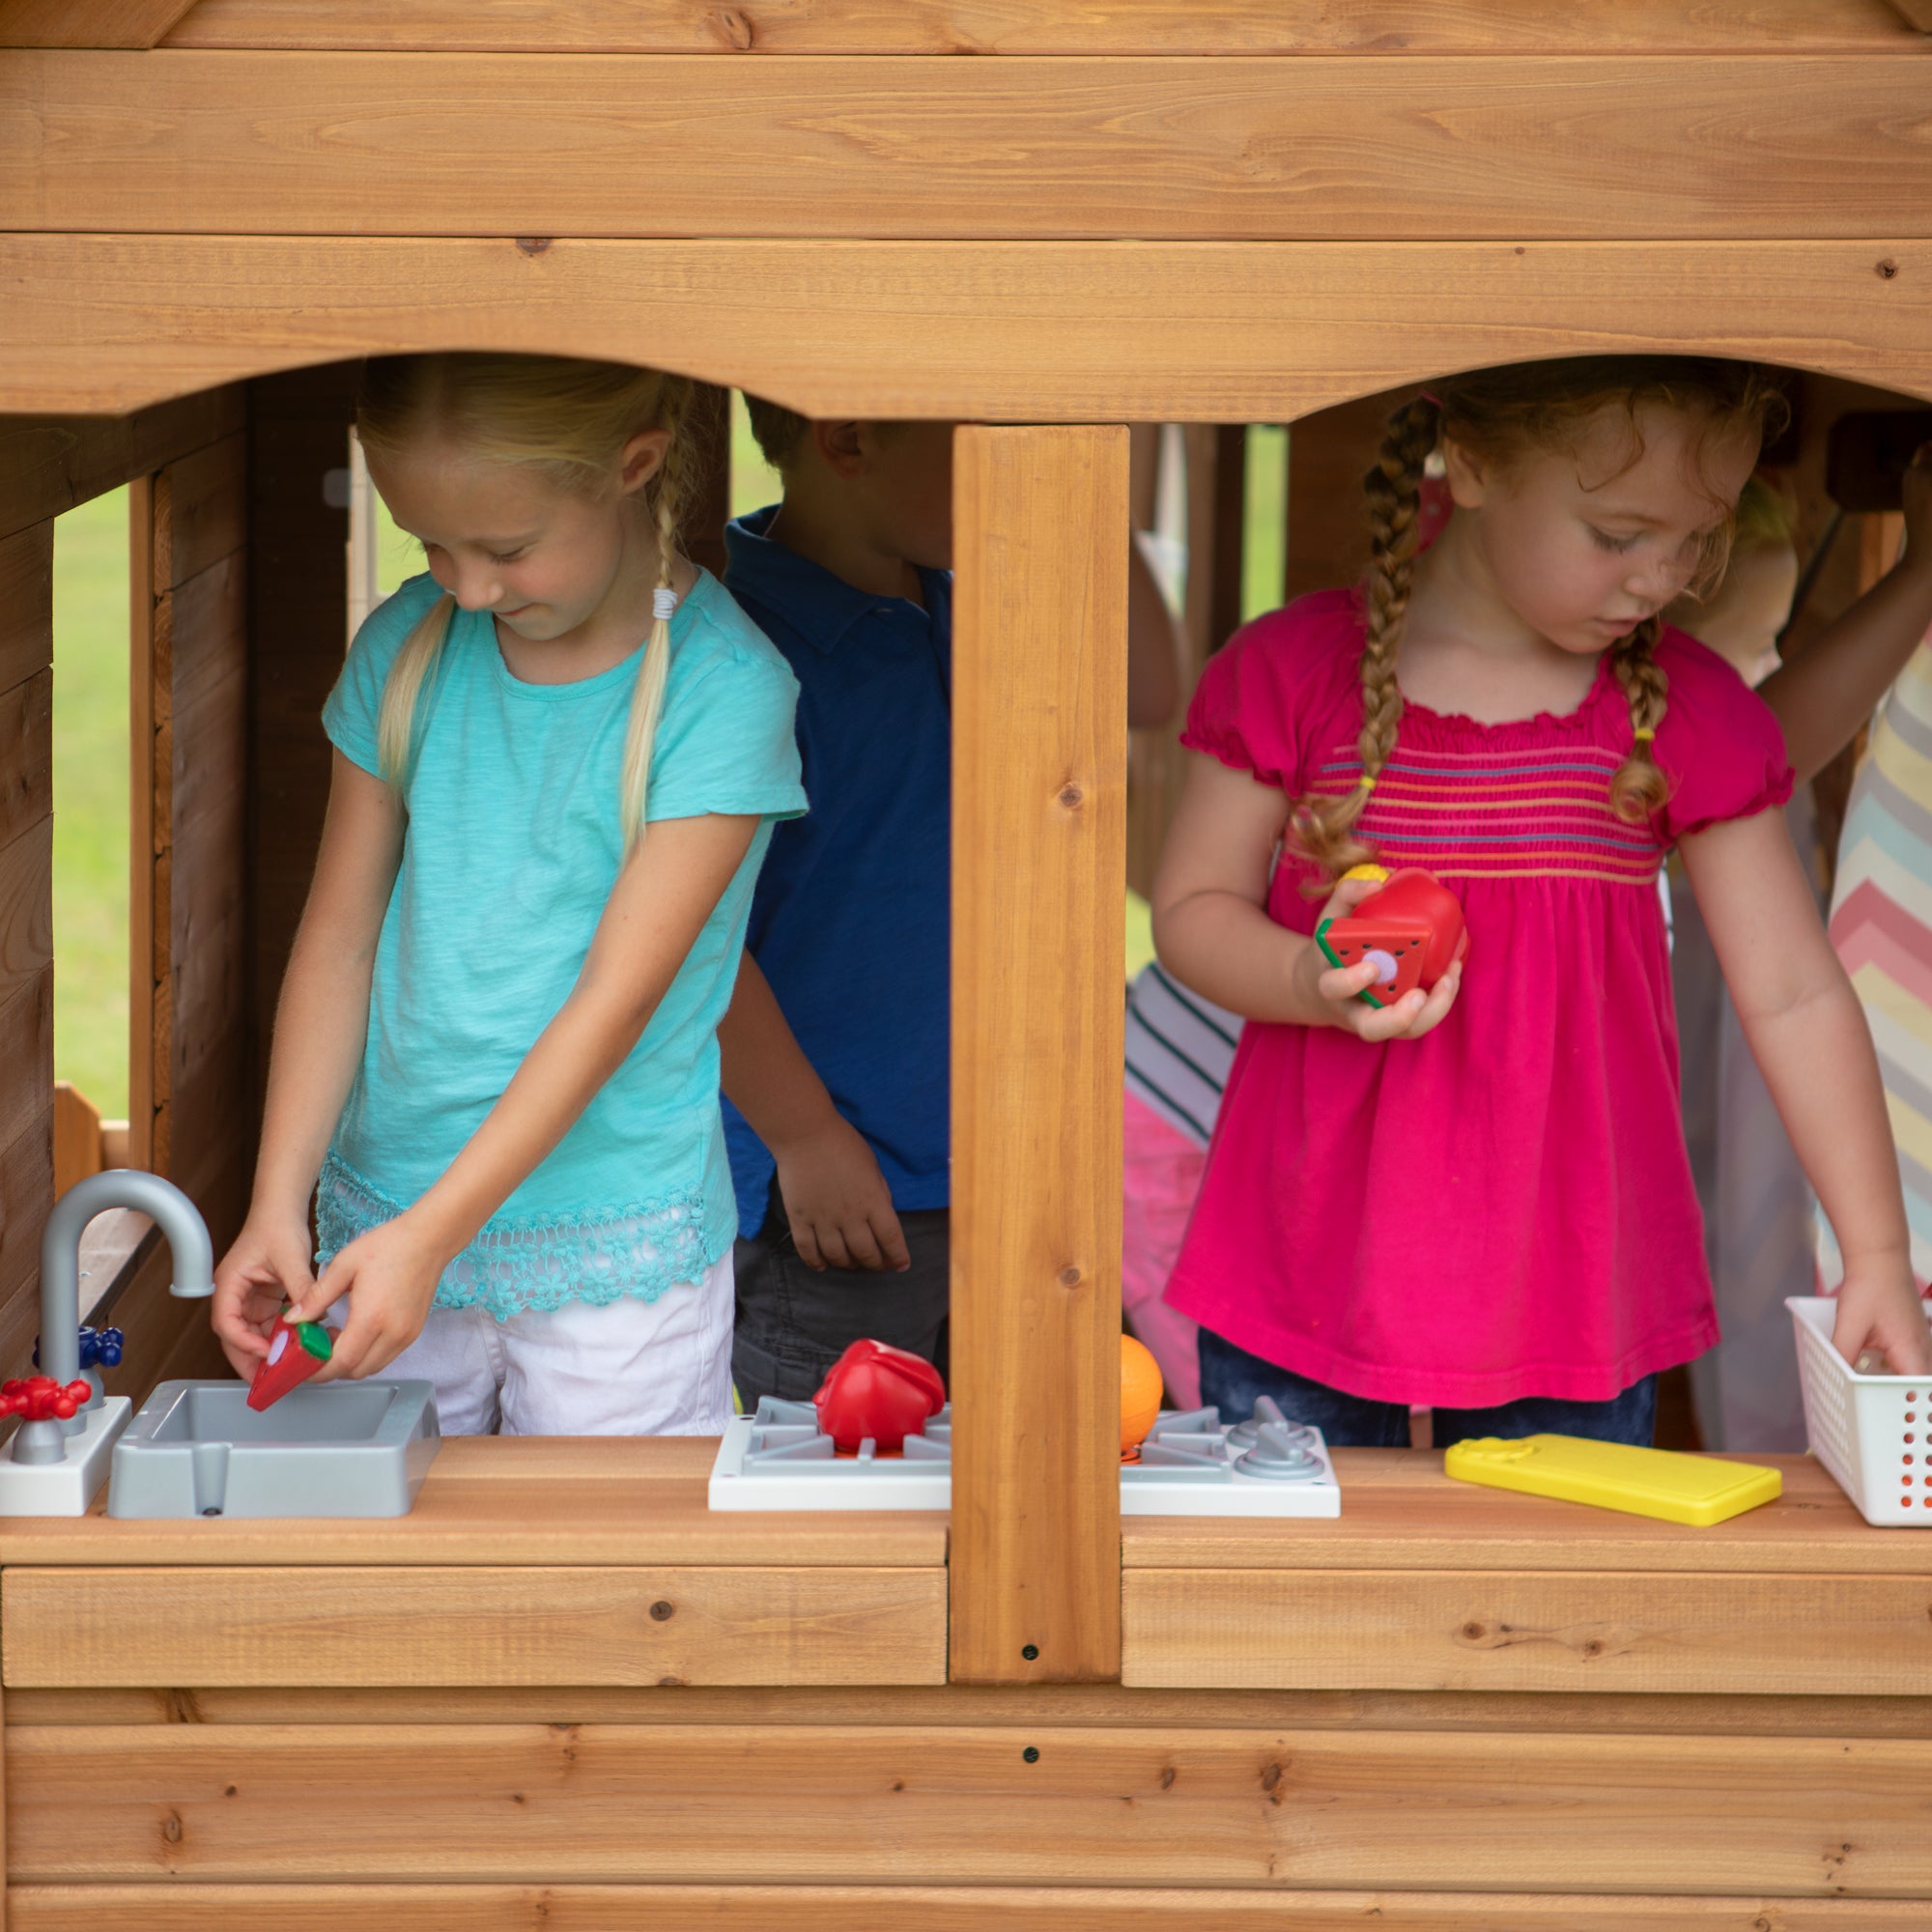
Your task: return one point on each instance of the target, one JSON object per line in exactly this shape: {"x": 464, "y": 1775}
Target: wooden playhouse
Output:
{"x": 560, "y": 1693}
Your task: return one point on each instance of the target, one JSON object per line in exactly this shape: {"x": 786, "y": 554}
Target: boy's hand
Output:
{"x": 1879, "y": 1308}
{"x": 389, "y": 1275}
{"x": 1333, "y": 990}
{"x": 837, "y": 1202}
{"x": 268, "y": 1262}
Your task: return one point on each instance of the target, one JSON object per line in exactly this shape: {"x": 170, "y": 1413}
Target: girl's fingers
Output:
{"x": 1341, "y": 983}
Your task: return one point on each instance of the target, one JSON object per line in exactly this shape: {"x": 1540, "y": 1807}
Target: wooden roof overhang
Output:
{"x": 1148, "y": 211}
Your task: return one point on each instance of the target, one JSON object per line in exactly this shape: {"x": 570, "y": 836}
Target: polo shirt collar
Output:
{"x": 821, "y": 606}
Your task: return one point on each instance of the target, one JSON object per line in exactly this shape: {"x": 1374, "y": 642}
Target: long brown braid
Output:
{"x": 1500, "y": 415}
{"x": 1323, "y": 825}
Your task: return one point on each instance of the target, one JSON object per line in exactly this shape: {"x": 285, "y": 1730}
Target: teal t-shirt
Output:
{"x": 511, "y": 851}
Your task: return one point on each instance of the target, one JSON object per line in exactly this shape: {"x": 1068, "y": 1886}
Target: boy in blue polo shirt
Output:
{"x": 835, "y": 1046}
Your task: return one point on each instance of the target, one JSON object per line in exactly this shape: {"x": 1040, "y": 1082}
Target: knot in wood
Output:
{"x": 1070, "y": 1276}
{"x": 532, "y": 244}
{"x": 1071, "y": 796}
{"x": 736, "y": 28}
{"x": 661, "y": 1612}
{"x": 171, "y": 1829}
{"x": 1887, "y": 270}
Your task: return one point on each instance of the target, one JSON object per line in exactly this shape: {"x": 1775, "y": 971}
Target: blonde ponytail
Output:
{"x": 396, "y": 722}
{"x": 669, "y": 490}
{"x": 569, "y": 420}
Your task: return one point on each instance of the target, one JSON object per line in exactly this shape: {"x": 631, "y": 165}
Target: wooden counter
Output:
{"x": 562, "y": 1695}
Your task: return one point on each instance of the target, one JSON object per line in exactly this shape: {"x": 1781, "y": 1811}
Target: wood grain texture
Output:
{"x": 26, "y": 754}
{"x": 843, "y": 1805}
{"x": 206, "y": 515}
{"x": 1402, "y": 1513}
{"x": 1040, "y": 705}
{"x": 27, "y": 1196}
{"x": 610, "y": 1501}
{"x": 1328, "y": 512}
{"x": 27, "y": 602}
{"x": 1480, "y": 1631}
{"x": 1387, "y": 28}
{"x": 50, "y": 463}
{"x": 89, "y": 23}
{"x": 1200, "y": 332}
{"x": 298, "y": 635}
{"x": 1012, "y": 1707}
{"x": 1515, "y": 148}
{"x": 479, "y": 1624}
{"x": 26, "y": 908}
{"x": 177, "y": 1906}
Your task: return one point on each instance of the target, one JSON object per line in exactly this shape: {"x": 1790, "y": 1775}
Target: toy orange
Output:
{"x": 1140, "y": 1393}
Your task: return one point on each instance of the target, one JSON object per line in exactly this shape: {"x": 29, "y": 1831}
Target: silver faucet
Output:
{"x": 188, "y": 1244}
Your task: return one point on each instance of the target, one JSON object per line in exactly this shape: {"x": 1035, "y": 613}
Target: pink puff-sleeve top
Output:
{"x": 1503, "y": 1207}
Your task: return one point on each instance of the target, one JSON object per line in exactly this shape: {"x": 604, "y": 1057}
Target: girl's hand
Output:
{"x": 1333, "y": 990}
{"x": 1879, "y": 1308}
{"x": 269, "y": 1263}
{"x": 389, "y": 1275}
{"x": 837, "y": 1202}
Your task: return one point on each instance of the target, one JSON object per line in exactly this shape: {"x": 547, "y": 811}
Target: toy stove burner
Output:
{"x": 1189, "y": 1466}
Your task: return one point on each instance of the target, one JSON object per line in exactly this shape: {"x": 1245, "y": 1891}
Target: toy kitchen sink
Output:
{"x": 342, "y": 1449}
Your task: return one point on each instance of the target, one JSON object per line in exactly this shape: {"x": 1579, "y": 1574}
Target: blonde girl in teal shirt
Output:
{"x": 558, "y": 757}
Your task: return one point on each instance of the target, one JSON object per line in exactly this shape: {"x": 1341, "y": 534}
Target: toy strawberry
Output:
{"x": 295, "y": 1353}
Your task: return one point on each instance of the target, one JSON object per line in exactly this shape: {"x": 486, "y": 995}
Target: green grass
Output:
{"x": 91, "y": 757}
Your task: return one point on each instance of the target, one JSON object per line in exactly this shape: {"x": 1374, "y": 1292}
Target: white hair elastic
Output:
{"x": 663, "y": 603}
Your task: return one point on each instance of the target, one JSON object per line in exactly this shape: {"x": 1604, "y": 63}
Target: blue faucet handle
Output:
{"x": 100, "y": 1347}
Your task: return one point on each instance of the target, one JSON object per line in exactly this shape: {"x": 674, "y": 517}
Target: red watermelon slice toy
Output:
{"x": 1411, "y": 930}
{"x": 294, "y": 1355}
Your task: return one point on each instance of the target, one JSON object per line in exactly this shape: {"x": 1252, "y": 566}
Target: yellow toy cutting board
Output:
{"x": 1698, "y": 1490}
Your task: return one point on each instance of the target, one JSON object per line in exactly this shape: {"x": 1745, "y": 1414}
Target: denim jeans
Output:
{"x": 1232, "y": 1379}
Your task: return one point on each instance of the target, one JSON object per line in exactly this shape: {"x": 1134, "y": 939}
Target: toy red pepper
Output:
{"x": 295, "y": 1353}
{"x": 877, "y": 1390}
{"x": 1411, "y": 931}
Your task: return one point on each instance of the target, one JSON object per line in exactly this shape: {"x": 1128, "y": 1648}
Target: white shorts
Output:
{"x": 629, "y": 1368}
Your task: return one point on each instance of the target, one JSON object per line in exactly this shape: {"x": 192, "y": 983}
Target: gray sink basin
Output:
{"x": 343, "y": 1449}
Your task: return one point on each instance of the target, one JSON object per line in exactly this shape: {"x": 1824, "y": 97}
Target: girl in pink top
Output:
{"x": 1478, "y": 1199}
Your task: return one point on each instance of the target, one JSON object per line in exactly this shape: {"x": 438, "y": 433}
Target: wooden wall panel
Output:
{"x": 50, "y": 463}
{"x": 27, "y": 602}
{"x": 476, "y": 1625}
{"x": 1511, "y": 148}
{"x": 1040, "y": 534}
{"x": 1184, "y": 333}
{"x": 298, "y": 625}
{"x": 90, "y": 23}
{"x": 1478, "y": 1631}
{"x": 1812, "y": 1818}
{"x": 1328, "y": 454}
{"x": 1387, "y": 28}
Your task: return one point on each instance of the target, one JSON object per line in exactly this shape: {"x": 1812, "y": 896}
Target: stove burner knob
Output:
{"x": 1279, "y": 1457}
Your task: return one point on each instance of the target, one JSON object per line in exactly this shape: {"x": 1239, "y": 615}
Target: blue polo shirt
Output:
{"x": 851, "y": 916}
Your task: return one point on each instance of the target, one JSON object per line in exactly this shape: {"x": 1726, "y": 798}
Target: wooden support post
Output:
{"x": 704, "y": 524}
{"x": 1038, "y": 816}
{"x": 1328, "y": 454}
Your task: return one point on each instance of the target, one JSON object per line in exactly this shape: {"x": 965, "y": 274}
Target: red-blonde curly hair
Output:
{"x": 1501, "y": 416}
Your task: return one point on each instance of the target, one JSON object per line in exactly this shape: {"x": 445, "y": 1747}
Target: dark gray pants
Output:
{"x": 794, "y": 1323}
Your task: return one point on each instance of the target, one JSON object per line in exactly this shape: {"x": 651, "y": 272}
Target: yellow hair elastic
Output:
{"x": 1365, "y": 783}
{"x": 1644, "y": 734}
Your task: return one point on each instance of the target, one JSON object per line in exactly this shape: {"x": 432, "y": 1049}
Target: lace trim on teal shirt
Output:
{"x": 522, "y": 1265}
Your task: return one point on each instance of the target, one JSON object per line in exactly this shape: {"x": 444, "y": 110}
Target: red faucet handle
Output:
{"x": 41, "y": 1398}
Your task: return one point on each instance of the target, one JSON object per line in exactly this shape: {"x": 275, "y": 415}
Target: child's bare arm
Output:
{"x": 1212, "y": 931}
{"x": 320, "y": 1027}
{"x": 836, "y": 1201}
{"x": 1153, "y": 646}
{"x": 654, "y": 911}
{"x": 1829, "y": 690}
{"x": 1806, "y": 1031}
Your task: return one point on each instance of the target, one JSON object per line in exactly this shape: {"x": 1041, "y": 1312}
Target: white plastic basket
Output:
{"x": 1873, "y": 1432}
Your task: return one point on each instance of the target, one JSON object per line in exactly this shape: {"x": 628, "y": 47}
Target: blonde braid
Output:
{"x": 670, "y": 492}
{"x": 408, "y": 671}
{"x": 1637, "y": 786}
{"x": 1320, "y": 826}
